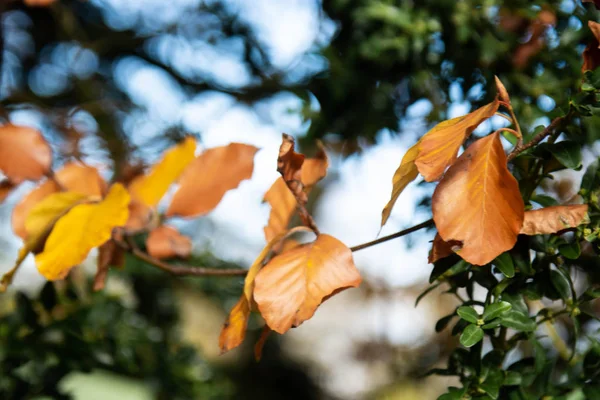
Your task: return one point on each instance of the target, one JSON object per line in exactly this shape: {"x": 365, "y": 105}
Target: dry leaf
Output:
{"x": 141, "y": 217}
{"x": 24, "y": 153}
{"x": 166, "y": 242}
{"x": 280, "y": 197}
{"x": 84, "y": 227}
{"x": 292, "y": 285}
{"x": 6, "y": 187}
{"x": 150, "y": 188}
{"x": 536, "y": 43}
{"x": 405, "y": 174}
{"x": 73, "y": 177}
{"x": 108, "y": 254}
{"x": 591, "y": 54}
{"x": 442, "y": 249}
{"x": 502, "y": 92}
{"x": 439, "y": 147}
{"x": 260, "y": 343}
{"x": 206, "y": 179}
{"x": 478, "y": 202}
{"x": 554, "y": 219}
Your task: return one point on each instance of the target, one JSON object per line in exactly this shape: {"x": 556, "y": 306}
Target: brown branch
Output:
{"x": 179, "y": 270}
{"x": 404, "y": 232}
{"x": 550, "y": 129}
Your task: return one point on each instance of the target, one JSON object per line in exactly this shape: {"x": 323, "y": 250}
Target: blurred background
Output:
{"x": 115, "y": 82}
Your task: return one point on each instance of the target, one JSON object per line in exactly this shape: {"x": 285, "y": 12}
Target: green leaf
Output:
{"x": 505, "y": 264}
{"x": 493, "y": 382}
{"x": 518, "y": 321}
{"x": 512, "y": 378}
{"x": 567, "y": 152}
{"x": 443, "y": 322}
{"x": 425, "y": 293}
{"x": 590, "y": 178}
{"x": 540, "y": 356}
{"x": 572, "y": 251}
{"x": 560, "y": 283}
{"x": 543, "y": 200}
{"x": 471, "y": 335}
{"x": 492, "y": 325}
{"x": 468, "y": 314}
{"x": 517, "y": 301}
{"x": 495, "y": 310}
{"x": 455, "y": 394}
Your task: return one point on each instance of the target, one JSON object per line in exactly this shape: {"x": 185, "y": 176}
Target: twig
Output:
{"x": 405, "y": 232}
{"x": 179, "y": 270}
{"x": 555, "y": 124}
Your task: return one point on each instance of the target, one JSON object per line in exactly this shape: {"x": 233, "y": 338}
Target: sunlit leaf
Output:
{"x": 471, "y": 335}
{"x": 166, "y": 242}
{"x": 439, "y": 147}
{"x": 206, "y": 179}
{"x": 24, "y": 153}
{"x": 292, "y": 285}
{"x": 478, "y": 203}
{"x": 553, "y": 219}
{"x": 84, "y": 227}
{"x": 150, "y": 188}
{"x": 405, "y": 174}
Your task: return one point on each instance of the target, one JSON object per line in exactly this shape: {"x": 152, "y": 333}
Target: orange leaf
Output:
{"x": 439, "y": 147}
{"x": 260, "y": 343}
{"x": 554, "y": 219}
{"x": 206, "y": 179}
{"x": 405, "y": 174}
{"x": 24, "y": 153}
{"x": 234, "y": 329}
{"x": 166, "y": 242}
{"x": 280, "y": 197}
{"x": 292, "y": 285}
{"x": 478, "y": 202}
{"x": 73, "y": 177}
{"x": 140, "y": 217}
{"x": 441, "y": 249}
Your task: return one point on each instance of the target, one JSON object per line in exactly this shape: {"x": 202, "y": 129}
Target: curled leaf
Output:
{"x": 206, "y": 179}
{"x": 166, "y": 242}
{"x": 405, "y": 174}
{"x": 84, "y": 227}
{"x": 24, "y": 153}
{"x": 554, "y": 219}
{"x": 478, "y": 202}
{"x": 260, "y": 343}
{"x": 292, "y": 285}
{"x": 150, "y": 188}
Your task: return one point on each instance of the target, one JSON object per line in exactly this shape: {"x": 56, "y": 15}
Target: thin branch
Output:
{"x": 405, "y": 232}
{"x": 180, "y": 270}
{"x": 550, "y": 129}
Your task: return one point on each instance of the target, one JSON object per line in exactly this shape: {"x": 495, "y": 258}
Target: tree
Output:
{"x": 498, "y": 227}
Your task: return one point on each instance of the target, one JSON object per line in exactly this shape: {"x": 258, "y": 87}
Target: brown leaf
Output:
{"x": 536, "y": 43}
{"x": 234, "y": 329}
{"x": 439, "y": 147}
{"x": 6, "y": 187}
{"x": 591, "y": 54}
{"x": 478, "y": 202}
{"x": 502, "y": 92}
{"x": 303, "y": 174}
{"x": 166, "y": 242}
{"x": 212, "y": 174}
{"x": 554, "y": 219}
{"x": 292, "y": 285}
{"x": 442, "y": 249}
{"x": 73, "y": 177}
{"x": 141, "y": 217}
{"x": 109, "y": 254}
{"x": 24, "y": 153}
{"x": 260, "y": 343}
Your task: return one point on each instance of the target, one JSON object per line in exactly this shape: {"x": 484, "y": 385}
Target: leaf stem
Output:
{"x": 550, "y": 129}
{"x": 404, "y": 232}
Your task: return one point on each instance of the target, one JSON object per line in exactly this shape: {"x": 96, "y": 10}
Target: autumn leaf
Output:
{"x": 442, "y": 249}
{"x": 73, "y": 177}
{"x": 206, "y": 179}
{"x": 109, "y": 254}
{"x": 166, "y": 242}
{"x": 24, "y": 153}
{"x": 591, "y": 54}
{"x": 141, "y": 217}
{"x": 405, "y": 174}
{"x": 554, "y": 219}
{"x": 292, "y": 285}
{"x": 439, "y": 147}
{"x": 478, "y": 202}
{"x": 260, "y": 343}
{"x": 150, "y": 188}
{"x": 84, "y": 227}
{"x": 281, "y": 199}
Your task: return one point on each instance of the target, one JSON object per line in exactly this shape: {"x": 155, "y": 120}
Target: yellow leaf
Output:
{"x": 150, "y": 188}
{"x": 292, "y": 285}
{"x": 405, "y": 174}
{"x": 478, "y": 203}
{"x": 49, "y": 210}
{"x": 84, "y": 227}
{"x": 439, "y": 147}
